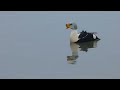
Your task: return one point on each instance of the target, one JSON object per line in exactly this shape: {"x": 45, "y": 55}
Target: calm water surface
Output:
{"x": 36, "y": 45}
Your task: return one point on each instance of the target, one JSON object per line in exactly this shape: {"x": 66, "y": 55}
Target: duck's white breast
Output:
{"x": 73, "y": 36}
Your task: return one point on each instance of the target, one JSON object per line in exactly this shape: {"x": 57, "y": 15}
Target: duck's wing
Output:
{"x": 86, "y": 36}
{"x": 82, "y": 34}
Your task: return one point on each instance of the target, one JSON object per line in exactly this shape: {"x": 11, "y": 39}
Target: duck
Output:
{"x": 83, "y": 36}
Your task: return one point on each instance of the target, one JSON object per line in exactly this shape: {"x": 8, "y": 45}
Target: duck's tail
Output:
{"x": 97, "y": 38}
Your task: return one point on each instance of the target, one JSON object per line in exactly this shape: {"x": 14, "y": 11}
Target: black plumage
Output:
{"x": 85, "y": 36}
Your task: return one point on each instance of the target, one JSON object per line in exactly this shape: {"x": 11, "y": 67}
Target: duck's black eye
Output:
{"x": 70, "y": 23}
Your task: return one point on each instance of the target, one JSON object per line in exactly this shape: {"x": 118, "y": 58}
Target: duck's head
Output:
{"x": 72, "y": 26}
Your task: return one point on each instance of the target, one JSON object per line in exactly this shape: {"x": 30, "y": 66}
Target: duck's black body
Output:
{"x": 85, "y": 37}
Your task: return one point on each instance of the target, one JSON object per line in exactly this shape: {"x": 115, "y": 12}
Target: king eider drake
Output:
{"x": 82, "y": 36}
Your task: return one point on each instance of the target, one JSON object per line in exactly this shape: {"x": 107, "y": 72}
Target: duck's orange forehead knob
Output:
{"x": 67, "y": 25}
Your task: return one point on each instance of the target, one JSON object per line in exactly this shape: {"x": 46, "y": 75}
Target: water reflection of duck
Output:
{"x": 83, "y": 46}
{"x": 86, "y": 45}
{"x": 74, "y": 48}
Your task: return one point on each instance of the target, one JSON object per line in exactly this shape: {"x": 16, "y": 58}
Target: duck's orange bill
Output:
{"x": 67, "y": 25}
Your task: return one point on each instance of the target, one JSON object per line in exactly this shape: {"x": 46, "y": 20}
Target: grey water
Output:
{"x": 36, "y": 45}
